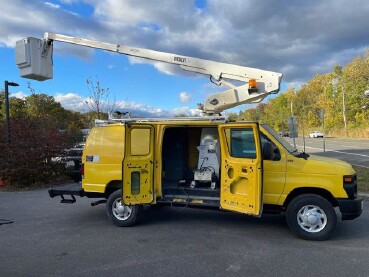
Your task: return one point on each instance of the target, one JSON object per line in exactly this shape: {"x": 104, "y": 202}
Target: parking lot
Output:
{"x": 353, "y": 151}
{"x": 52, "y": 239}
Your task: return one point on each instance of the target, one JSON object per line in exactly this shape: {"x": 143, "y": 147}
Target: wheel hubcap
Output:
{"x": 121, "y": 211}
{"x": 311, "y": 218}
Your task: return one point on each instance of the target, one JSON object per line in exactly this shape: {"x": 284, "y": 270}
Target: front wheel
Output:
{"x": 122, "y": 215}
{"x": 311, "y": 217}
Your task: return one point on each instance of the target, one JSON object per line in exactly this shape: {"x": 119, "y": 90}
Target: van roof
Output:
{"x": 213, "y": 120}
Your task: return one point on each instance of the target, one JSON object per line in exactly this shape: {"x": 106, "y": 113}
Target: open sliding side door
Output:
{"x": 138, "y": 164}
{"x": 241, "y": 168}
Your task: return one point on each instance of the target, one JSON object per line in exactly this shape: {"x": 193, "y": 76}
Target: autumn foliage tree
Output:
{"x": 40, "y": 130}
{"x": 27, "y": 157}
{"x": 340, "y": 93}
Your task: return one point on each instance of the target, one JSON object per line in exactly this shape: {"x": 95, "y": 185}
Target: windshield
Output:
{"x": 281, "y": 140}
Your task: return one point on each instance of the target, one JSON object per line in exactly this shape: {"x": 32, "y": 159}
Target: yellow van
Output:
{"x": 243, "y": 167}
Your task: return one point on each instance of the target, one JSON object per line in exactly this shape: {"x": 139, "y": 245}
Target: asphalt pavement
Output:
{"x": 351, "y": 150}
{"x": 52, "y": 239}
{"x": 47, "y": 238}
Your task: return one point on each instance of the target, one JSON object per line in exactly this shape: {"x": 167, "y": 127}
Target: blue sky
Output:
{"x": 297, "y": 39}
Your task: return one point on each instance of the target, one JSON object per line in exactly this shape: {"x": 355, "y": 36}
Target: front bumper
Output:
{"x": 350, "y": 208}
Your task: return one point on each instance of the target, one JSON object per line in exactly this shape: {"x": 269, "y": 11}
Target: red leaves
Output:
{"x": 28, "y": 156}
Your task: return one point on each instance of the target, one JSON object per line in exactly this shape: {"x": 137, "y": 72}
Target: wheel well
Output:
{"x": 112, "y": 186}
{"x": 318, "y": 191}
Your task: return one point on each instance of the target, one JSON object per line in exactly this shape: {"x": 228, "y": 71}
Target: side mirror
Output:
{"x": 276, "y": 154}
{"x": 270, "y": 153}
{"x": 267, "y": 151}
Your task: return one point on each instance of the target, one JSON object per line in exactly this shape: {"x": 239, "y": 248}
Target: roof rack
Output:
{"x": 99, "y": 122}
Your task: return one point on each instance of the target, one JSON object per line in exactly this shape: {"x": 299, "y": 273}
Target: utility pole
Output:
{"x": 322, "y": 112}
{"x": 303, "y": 124}
{"x": 344, "y": 108}
{"x": 291, "y": 108}
{"x": 292, "y": 126}
{"x": 7, "y": 113}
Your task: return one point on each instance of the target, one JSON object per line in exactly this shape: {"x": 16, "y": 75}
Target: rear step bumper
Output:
{"x": 72, "y": 190}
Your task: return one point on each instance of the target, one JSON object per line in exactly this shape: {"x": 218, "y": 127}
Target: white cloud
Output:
{"x": 169, "y": 69}
{"x": 295, "y": 85}
{"x": 184, "y": 97}
{"x": 75, "y": 102}
{"x": 19, "y": 94}
{"x": 185, "y": 111}
{"x": 72, "y": 101}
{"x": 143, "y": 110}
{"x": 52, "y": 5}
{"x": 303, "y": 36}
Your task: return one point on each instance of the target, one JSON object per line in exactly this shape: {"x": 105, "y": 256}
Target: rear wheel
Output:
{"x": 122, "y": 215}
{"x": 311, "y": 217}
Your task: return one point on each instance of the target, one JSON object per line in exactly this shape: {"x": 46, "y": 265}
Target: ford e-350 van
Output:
{"x": 243, "y": 167}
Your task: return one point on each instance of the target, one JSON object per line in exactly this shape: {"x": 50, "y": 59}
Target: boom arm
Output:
{"x": 261, "y": 85}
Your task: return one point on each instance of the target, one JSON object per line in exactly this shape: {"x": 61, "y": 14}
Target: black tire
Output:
{"x": 121, "y": 215}
{"x": 311, "y": 217}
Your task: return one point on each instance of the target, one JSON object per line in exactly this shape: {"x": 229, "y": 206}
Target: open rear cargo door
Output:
{"x": 138, "y": 164}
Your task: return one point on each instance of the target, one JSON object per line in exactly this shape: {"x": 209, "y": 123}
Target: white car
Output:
{"x": 316, "y": 134}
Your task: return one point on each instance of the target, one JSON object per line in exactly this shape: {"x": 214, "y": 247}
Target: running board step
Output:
{"x": 187, "y": 200}
{"x": 68, "y": 201}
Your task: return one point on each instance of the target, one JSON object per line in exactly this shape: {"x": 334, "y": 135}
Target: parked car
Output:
{"x": 71, "y": 158}
{"x": 73, "y": 161}
{"x": 284, "y": 134}
{"x": 316, "y": 134}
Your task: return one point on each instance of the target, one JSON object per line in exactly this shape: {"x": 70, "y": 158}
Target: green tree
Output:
{"x": 322, "y": 92}
{"x": 279, "y": 109}
{"x": 355, "y": 80}
{"x": 254, "y": 114}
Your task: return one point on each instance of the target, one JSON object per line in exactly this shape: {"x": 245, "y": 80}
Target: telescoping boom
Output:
{"x": 34, "y": 60}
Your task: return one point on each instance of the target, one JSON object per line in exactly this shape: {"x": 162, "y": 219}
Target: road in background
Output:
{"x": 52, "y": 239}
{"x": 353, "y": 151}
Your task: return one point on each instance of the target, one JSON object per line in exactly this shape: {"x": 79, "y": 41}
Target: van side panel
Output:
{"x": 310, "y": 173}
{"x": 274, "y": 177}
{"x": 103, "y": 156}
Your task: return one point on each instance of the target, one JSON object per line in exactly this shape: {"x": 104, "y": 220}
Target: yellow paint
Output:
{"x": 274, "y": 173}
{"x": 107, "y": 142}
{"x": 138, "y": 148}
{"x": 138, "y": 165}
{"x": 140, "y": 142}
{"x": 241, "y": 178}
